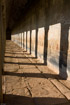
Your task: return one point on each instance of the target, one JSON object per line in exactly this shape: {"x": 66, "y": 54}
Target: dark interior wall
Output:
{"x": 8, "y": 34}
{"x": 1, "y": 95}
{"x": 2, "y": 42}
{"x": 45, "y": 31}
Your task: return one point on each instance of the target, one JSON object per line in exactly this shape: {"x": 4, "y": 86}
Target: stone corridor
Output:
{"x": 26, "y": 81}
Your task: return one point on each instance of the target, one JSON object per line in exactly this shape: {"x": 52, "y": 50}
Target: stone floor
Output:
{"x": 26, "y": 81}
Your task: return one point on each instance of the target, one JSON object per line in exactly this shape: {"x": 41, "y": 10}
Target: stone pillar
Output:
{"x": 2, "y": 41}
{"x": 3, "y": 20}
{"x": 1, "y": 95}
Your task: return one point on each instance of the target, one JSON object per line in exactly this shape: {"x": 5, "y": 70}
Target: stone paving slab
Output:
{"x": 11, "y": 67}
{"x": 66, "y": 83}
{"x": 28, "y": 82}
{"x": 62, "y": 88}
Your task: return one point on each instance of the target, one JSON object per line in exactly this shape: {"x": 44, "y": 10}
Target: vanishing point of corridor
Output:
{"x": 28, "y": 82}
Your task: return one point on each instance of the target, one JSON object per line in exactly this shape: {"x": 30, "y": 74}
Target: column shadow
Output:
{"x": 10, "y": 99}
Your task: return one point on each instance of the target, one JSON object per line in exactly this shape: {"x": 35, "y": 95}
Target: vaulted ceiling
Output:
{"x": 15, "y": 9}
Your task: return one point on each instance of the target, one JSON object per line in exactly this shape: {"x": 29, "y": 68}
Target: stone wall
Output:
{"x": 45, "y": 34}
{"x": 2, "y": 43}
{"x": 0, "y": 60}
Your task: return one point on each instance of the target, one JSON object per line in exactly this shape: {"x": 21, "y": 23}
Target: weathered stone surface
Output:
{"x": 66, "y": 83}
{"x": 32, "y": 84}
{"x": 11, "y": 67}
{"x": 62, "y": 88}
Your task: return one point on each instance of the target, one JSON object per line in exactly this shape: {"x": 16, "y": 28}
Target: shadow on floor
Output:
{"x": 18, "y": 53}
{"x": 21, "y": 57}
{"x": 34, "y": 75}
{"x": 41, "y": 64}
{"x": 10, "y": 99}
